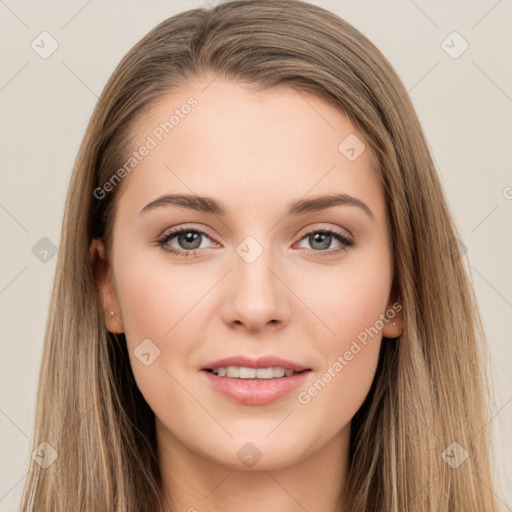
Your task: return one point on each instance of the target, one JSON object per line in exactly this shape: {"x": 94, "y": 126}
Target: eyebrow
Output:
{"x": 301, "y": 206}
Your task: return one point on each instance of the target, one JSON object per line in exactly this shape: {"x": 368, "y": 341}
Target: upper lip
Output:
{"x": 260, "y": 362}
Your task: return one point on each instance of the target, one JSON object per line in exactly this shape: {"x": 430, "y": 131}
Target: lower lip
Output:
{"x": 255, "y": 391}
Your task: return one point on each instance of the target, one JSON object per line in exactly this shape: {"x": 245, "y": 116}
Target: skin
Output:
{"x": 256, "y": 152}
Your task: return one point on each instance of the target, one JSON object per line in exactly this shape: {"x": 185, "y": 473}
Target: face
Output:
{"x": 193, "y": 282}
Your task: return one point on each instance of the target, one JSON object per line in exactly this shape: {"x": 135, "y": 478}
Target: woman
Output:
{"x": 318, "y": 345}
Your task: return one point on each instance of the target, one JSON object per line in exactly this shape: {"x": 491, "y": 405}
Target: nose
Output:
{"x": 256, "y": 297}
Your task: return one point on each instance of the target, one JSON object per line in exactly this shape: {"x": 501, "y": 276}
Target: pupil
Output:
{"x": 190, "y": 238}
{"x": 322, "y": 238}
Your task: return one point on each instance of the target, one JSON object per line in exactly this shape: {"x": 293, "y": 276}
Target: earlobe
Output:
{"x": 392, "y": 329}
{"x": 103, "y": 279}
{"x": 394, "y": 320}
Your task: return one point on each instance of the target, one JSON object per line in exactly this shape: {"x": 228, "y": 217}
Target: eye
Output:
{"x": 188, "y": 239}
{"x": 321, "y": 239}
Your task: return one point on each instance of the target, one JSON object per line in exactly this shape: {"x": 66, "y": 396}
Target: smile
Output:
{"x": 244, "y": 372}
{"x": 254, "y": 390}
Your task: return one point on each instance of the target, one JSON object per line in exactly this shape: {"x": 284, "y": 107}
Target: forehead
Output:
{"x": 231, "y": 141}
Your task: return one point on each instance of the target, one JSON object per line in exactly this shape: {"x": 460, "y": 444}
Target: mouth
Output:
{"x": 246, "y": 373}
{"x": 255, "y": 386}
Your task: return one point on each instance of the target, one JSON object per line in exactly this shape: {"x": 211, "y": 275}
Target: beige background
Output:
{"x": 464, "y": 105}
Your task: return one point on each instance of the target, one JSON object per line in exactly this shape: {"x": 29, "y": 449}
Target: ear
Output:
{"x": 104, "y": 282}
{"x": 394, "y": 321}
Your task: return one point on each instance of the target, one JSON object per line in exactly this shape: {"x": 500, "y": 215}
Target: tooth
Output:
{"x": 279, "y": 371}
{"x": 246, "y": 373}
{"x": 232, "y": 371}
{"x": 265, "y": 373}
{"x": 243, "y": 372}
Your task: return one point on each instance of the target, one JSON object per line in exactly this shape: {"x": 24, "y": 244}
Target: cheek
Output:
{"x": 349, "y": 300}
{"x": 337, "y": 393}
{"x": 345, "y": 300}
{"x": 160, "y": 302}
{"x": 154, "y": 301}
{"x": 350, "y": 354}
{"x": 155, "y": 297}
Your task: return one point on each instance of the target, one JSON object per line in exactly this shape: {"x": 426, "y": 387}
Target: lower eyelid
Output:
{"x": 173, "y": 234}
{"x": 345, "y": 241}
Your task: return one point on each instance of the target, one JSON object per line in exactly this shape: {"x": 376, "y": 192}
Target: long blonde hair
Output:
{"x": 431, "y": 387}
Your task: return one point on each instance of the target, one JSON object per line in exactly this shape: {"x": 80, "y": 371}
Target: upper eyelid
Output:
{"x": 303, "y": 233}
{"x": 319, "y": 227}
{"x": 175, "y": 231}
{"x": 346, "y": 242}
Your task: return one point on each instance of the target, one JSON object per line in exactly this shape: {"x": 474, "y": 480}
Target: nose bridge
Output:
{"x": 252, "y": 267}
{"x": 257, "y": 295}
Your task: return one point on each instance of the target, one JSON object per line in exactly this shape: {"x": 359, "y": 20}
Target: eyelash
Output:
{"x": 346, "y": 242}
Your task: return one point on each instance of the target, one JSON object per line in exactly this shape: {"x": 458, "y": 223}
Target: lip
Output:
{"x": 260, "y": 362}
{"x": 254, "y": 391}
